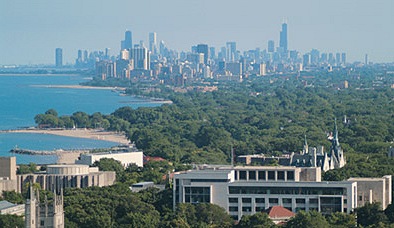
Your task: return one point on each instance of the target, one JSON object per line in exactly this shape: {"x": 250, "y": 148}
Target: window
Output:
{"x": 246, "y": 209}
{"x": 271, "y": 175}
{"x": 261, "y": 175}
{"x": 330, "y": 205}
{"x": 313, "y": 201}
{"x": 233, "y": 208}
{"x": 260, "y": 200}
{"x": 273, "y": 200}
{"x": 281, "y": 175}
{"x": 290, "y": 175}
{"x": 286, "y": 200}
{"x": 360, "y": 198}
{"x": 233, "y": 200}
{"x": 246, "y": 200}
{"x": 252, "y": 175}
{"x": 242, "y": 175}
{"x": 197, "y": 194}
{"x": 235, "y": 217}
{"x": 300, "y": 200}
{"x": 259, "y": 209}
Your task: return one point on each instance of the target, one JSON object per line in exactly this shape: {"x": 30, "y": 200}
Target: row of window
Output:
{"x": 286, "y": 190}
{"x": 264, "y": 175}
{"x": 275, "y": 200}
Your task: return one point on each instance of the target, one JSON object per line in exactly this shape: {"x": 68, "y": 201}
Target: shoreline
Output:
{"x": 80, "y": 87}
{"x": 77, "y": 133}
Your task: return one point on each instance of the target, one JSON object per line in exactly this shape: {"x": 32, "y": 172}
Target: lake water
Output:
{"x": 23, "y": 97}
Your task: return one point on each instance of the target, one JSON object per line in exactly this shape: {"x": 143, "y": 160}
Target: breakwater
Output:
{"x": 46, "y": 152}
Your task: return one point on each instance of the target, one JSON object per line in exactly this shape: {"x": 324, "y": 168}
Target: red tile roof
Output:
{"x": 279, "y": 212}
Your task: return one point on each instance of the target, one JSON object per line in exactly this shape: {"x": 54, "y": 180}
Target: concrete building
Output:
{"x": 67, "y": 176}
{"x": 7, "y": 208}
{"x": 44, "y": 214}
{"x": 126, "y": 158}
{"x": 247, "y": 190}
{"x": 8, "y": 180}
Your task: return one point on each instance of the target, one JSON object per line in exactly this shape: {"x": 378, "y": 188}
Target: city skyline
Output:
{"x": 37, "y": 28}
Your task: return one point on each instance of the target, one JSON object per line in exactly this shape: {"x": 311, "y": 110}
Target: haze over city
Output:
{"x": 31, "y": 30}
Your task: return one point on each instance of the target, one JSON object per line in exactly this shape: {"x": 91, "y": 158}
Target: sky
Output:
{"x": 31, "y": 30}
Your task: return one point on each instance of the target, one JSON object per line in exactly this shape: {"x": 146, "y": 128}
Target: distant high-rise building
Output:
{"x": 283, "y": 38}
{"x": 203, "y": 48}
{"x": 324, "y": 58}
{"x": 315, "y": 54}
{"x": 212, "y": 53}
{"x": 107, "y": 53}
{"x": 366, "y": 59}
{"x": 271, "y": 46}
{"x": 231, "y": 50}
{"x": 338, "y": 58}
{"x": 331, "y": 59}
{"x": 153, "y": 42}
{"x": 306, "y": 59}
{"x": 343, "y": 58}
{"x": 59, "y": 57}
{"x": 141, "y": 57}
{"x": 127, "y": 43}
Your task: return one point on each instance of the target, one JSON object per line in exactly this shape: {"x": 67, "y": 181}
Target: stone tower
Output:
{"x": 44, "y": 214}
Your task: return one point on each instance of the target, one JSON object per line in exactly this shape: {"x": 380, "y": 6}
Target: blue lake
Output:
{"x": 23, "y": 97}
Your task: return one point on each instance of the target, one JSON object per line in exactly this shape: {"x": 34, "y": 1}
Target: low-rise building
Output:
{"x": 64, "y": 176}
{"x": 247, "y": 190}
{"x": 126, "y": 156}
{"x": 7, "y": 208}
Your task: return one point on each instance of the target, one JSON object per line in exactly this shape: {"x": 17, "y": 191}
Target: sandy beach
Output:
{"x": 70, "y": 157}
{"x": 78, "y": 133}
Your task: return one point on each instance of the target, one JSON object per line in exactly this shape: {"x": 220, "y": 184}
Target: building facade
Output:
{"x": 126, "y": 158}
{"x": 247, "y": 190}
{"x": 44, "y": 214}
{"x": 67, "y": 176}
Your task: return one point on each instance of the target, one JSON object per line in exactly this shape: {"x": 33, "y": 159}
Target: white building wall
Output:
{"x": 126, "y": 158}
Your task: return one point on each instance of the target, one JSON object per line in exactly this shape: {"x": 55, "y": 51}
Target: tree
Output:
{"x": 370, "y": 214}
{"x": 258, "y": 220}
{"x": 11, "y": 221}
{"x": 110, "y": 164}
{"x": 307, "y": 219}
{"x": 342, "y": 220}
{"x": 390, "y": 213}
{"x": 13, "y": 197}
{"x": 52, "y": 112}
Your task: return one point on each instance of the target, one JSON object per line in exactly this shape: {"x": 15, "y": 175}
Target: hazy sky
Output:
{"x": 32, "y": 29}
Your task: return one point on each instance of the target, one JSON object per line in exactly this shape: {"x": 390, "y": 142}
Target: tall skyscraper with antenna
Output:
{"x": 283, "y": 38}
{"x": 127, "y": 43}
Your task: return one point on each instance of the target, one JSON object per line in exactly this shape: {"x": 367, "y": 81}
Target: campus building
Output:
{"x": 126, "y": 158}
{"x": 247, "y": 190}
{"x": 67, "y": 176}
{"x": 41, "y": 214}
{"x": 334, "y": 158}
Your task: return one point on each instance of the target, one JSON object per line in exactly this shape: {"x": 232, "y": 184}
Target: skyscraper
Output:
{"x": 59, "y": 57}
{"x": 127, "y": 43}
{"x": 271, "y": 46}
{"x": 141, "y": 57}
{"x": 231, "y": 49}
{"x": 153, "y": 42}
{"x": 343, "y": 58}
{"x": 203, "y": 48}
{"x": 283, "y": 38}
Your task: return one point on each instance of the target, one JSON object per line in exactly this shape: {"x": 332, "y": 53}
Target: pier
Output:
{"x": 47, "y": 152}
